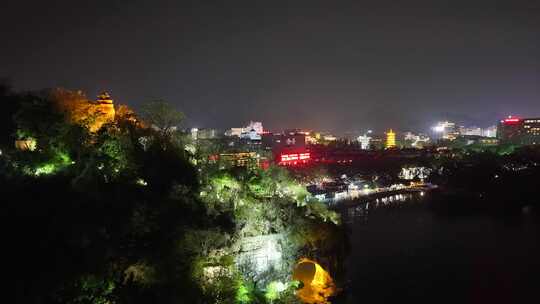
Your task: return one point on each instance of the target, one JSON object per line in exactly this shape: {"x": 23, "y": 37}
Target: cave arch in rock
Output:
{"x": 318, "y": 284}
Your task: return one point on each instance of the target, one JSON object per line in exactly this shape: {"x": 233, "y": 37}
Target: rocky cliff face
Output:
{"x": 262, "y": 253}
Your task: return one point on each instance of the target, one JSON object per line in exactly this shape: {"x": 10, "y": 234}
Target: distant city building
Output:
{"x": 280, "y": 141}
{"x": 364, "y": 141}
{"x": 519, "y": 131}
{"x": 329, "y": 137}
{"x": 292, "y": 159}
{"x": 351, "y": 135}
{"x": 488, "y": 141}
{"x": 241, "y": 159}
{"x": 205, "y": 133}
{"x": 255, "y": 125}
{"x": 490, "y": 131}
{"x": 416, "y": 141}
{"x": 377, "y": 142}
{"x": 476, "y": 131}
{"x": 477, "y": 140}
{"x": 194, "y": 133}
{"x": 234, "y": 132}
{"x": 313, "y": 138}
{"x": 390, "y": 139}
{"x": 288, "y": 148}
{"x": 208, "y": 133}
{"x": 251, "y": 135}
{"x": 446, "y": 130}
{"x": 253, "y": 129}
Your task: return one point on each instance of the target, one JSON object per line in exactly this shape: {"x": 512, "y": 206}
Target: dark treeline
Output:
{"x": 81, "y": 230}
{"x": 487, "y": 182}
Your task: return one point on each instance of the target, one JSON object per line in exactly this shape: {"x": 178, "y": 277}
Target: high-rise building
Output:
{"x": 476, "y": 131}
{"x": 490, "y": 131}
{"x": 446, "y": 130}
{"x": 519, "y": 131}
{"x": 364, "y": 141}
{"x": 390, "y": 139}
{"x": 286, "y": 140}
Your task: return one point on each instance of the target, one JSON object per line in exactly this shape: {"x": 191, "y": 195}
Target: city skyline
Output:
{"x": 315, "y": 65}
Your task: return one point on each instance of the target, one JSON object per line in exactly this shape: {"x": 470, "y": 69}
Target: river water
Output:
{"x": 403, "y": 252}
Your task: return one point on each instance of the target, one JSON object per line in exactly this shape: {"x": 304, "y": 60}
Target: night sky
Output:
{"x": 325, "y": 65}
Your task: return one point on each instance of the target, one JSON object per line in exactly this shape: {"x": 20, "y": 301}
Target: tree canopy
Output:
{"x": 162, "y": 116}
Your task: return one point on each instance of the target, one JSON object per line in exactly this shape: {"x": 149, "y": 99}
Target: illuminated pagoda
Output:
{"x": 390, "y": 139}
{"x": 104, "y": 98}
{"x": 104, "y": 107}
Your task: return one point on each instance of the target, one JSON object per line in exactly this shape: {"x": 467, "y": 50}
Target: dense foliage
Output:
{"x": 122, "y": 215}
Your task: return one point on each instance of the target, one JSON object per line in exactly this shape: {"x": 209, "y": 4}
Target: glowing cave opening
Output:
{"x": 318, "y": 284}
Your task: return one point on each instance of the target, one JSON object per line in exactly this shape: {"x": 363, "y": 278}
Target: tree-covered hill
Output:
{"x": 120, "y": 213}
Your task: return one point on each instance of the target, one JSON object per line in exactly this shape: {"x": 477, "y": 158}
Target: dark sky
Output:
{"x": 331, "y": 65}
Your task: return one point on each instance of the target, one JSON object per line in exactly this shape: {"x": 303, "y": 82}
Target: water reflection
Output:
{"x": 405, "y": 249}
{"x": 360, "y": 212}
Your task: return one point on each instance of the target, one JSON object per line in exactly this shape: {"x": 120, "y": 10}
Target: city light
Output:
{"x": 364, "y": 141}
{"x": 294, "y": 158}
{"x": 438, "y": 128}
{"x": 446, "y": 129}
{"x": 511, "y": 120}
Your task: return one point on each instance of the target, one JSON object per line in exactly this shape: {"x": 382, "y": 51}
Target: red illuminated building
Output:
{"x": 289, "y": 148}
{"x": 288, "y": 159}
{"x": 519, "y": 131}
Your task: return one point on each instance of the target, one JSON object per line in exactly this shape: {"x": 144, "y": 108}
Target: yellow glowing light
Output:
{"x": 390, "y": 139}
{"x": 318, "y": 284}
{"x": 28, "y": 144}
